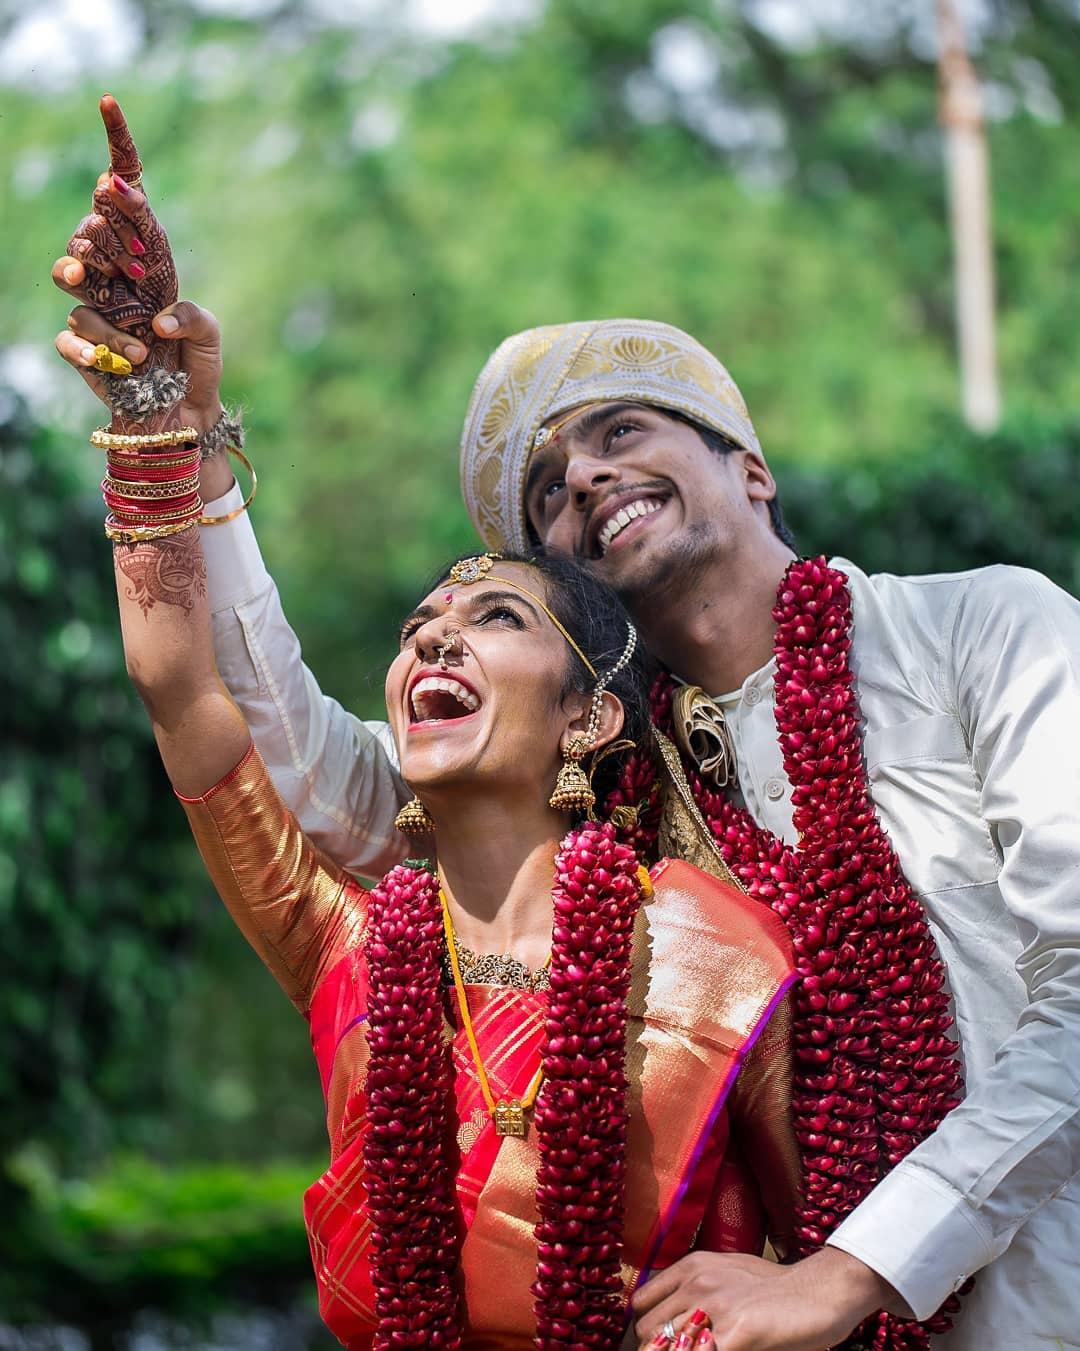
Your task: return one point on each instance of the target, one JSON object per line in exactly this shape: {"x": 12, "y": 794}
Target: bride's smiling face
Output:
{"x": 494, "y": 709}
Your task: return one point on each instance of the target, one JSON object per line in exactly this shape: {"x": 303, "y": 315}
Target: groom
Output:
{"x": 628, "y": 445}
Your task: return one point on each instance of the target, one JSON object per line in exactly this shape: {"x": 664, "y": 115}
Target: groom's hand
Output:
{"x": 193, "y": 330}
{"x": 197, "y": 338}
{"x": 754, "y": 1305}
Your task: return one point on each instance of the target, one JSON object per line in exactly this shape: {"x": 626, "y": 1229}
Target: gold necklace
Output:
{"x": 508, "y": 1114}
{"x": 487, "y": 968}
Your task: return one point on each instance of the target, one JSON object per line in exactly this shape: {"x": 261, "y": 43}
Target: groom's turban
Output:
{"x": 536, "y": 375}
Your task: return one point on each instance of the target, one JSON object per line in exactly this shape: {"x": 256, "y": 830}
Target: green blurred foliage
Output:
{"x": 138, "y": 1235}
{"x": 93, "y": 874}
{"x": 369, "y": 215}
{"x": 125, "y": 994}
{"x": 958, "y": 502}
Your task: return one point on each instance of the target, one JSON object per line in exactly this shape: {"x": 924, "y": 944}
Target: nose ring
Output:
{"x": 447, "y": 646}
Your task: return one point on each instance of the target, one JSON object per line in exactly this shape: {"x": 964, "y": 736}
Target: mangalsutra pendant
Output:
{"x": 509, "y": 1118}
{"x": 508, "y": 1114}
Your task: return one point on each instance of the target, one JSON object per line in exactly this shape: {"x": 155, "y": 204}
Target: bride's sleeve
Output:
{"x": 298, "y": 910}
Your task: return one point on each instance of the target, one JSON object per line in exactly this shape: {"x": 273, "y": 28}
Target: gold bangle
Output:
{"x": 154, "y": 462}
{"x": 232, "y": 515}
{"x": 180, "y": 488}
{"x": 104, "y": 439}
{"x": 135, "y": 534}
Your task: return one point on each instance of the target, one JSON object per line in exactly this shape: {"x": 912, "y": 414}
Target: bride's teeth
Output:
{"x": 436, "y": 684}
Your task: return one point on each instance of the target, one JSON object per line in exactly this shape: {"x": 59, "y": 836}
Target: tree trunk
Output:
{"x": 968, "y": 179}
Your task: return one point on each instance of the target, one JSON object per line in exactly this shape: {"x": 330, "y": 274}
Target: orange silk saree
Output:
{"x": 710, "y": 968}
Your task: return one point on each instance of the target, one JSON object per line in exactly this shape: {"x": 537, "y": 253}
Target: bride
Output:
{"x": 548, "y": 1072}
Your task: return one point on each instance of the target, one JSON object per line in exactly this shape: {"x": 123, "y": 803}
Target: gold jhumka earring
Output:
{"x": 573, "y": 792}
{"x": 413, "y": 819}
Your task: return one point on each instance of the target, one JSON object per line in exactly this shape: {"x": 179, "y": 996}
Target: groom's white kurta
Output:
{"x": 969, "y": 686}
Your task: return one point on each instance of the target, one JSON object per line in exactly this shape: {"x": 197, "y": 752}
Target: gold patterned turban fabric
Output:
{"x": 537, "y": 375}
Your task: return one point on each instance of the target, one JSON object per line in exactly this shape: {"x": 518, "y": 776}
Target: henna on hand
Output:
{"x": 95, "y": 244}
{"x": 158, "y": 287}
{"x": 123, "y": 156}
{"x": 121, "y": 211}
{"x": 171, "y": 571}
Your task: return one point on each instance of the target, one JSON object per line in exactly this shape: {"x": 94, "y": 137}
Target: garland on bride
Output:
{"x": 581, "y": 1114}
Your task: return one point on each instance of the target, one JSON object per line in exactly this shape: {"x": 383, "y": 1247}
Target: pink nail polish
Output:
{"x": 120, "y": 185}
{"x": 698, "y": 1318}
{"x": 137, "y": 247}
{"x": 658, "y": 1341}
{"x": 704, "y": 1341}
{"x": 137, "y": 271}
{"x": 684, "y": 1341}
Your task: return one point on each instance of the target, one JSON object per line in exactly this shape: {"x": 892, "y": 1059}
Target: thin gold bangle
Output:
{"x": 155, "y": 462}
{"x": 232, "y": 515}
{"x": 151, "y": 490}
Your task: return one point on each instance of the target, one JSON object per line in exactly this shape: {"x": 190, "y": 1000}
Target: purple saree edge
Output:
{"x": 665, "y": 1222}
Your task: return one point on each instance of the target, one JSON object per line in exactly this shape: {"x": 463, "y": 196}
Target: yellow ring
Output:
{"x": 109, "y": 362}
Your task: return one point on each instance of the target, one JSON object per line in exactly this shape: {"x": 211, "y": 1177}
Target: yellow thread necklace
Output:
{"x": 508, "y": 1114}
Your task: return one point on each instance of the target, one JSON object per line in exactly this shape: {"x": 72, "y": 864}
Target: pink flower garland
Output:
{"x": 580, "y": 1117}
{"x": 875, "y": 1070}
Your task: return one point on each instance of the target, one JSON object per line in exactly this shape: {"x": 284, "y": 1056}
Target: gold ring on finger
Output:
{"x": 135, "y": 182}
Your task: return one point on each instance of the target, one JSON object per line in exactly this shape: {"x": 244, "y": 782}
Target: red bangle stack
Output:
{"x": 152, "y": 484}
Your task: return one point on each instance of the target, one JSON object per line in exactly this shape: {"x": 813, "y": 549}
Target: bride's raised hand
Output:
{"x": 118, "y": 261}
{"x": 120, "y": 266}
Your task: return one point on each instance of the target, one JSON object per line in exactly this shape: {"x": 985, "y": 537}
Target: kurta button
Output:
{"x": 774, "y": 789}
{"x": 752, "y": 696}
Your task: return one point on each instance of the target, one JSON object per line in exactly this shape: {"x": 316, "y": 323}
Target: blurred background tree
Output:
{"x": 371, "y": 196}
